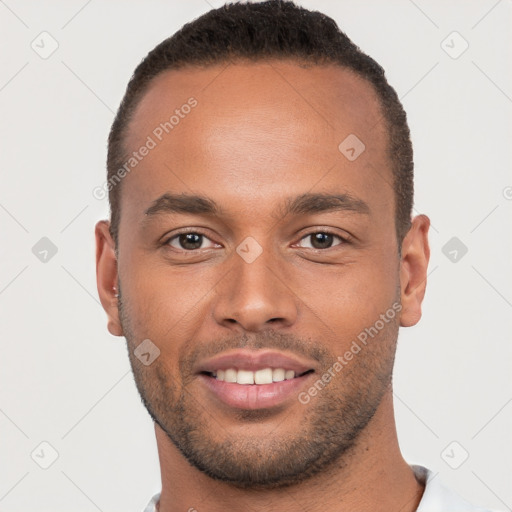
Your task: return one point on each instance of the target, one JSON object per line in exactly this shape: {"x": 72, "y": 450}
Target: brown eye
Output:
{"x": 189, "y": 241}
{"x": 321, "y": 240}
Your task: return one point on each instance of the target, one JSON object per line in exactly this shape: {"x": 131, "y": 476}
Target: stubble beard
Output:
{"x": 327, "y": 434}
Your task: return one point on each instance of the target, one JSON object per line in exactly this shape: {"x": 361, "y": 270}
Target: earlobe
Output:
{"x": 413, "y": 270}
{"x": 106, "y": 276}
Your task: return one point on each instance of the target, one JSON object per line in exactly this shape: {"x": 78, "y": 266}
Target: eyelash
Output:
{"x": 343, "y": 240}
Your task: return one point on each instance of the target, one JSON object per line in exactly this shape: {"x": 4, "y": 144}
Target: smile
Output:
{"x": 258, "y": 377}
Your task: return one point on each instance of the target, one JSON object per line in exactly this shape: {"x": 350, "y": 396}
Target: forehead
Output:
{"x": 254, "y": 128}
{"x": 329, "y": 97}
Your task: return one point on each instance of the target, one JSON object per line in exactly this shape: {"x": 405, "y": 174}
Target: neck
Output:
{"x": 372, "y": 477}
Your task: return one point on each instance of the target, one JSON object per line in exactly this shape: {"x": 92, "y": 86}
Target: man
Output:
{"x": 259, "y": 260}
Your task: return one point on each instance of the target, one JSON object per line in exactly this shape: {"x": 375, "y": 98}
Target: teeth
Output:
{"x": 263, "y": 376}
{"x": 245, "y": 377}
{"x": 230, "y": 375}
{"x": 278, "y": 374}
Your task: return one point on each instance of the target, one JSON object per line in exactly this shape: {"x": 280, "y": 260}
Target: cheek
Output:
{"x": 166, "y": 304}
{"x": 342, "y": 301}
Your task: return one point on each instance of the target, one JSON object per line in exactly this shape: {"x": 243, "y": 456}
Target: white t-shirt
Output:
{"x": 436, "y": 497}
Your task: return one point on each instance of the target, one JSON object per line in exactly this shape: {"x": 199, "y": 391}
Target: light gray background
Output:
{"x": 66, "y": 381}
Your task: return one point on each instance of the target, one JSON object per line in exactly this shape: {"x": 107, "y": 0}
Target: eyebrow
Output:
{"x": 307, "y": 203}
{"x": 317, "y": 203}
{"x": 183, "y": 203}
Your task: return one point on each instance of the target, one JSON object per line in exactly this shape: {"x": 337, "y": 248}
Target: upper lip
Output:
{"x": 253, "y": 360}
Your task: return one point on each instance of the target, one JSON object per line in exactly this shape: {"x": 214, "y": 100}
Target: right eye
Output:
{"x": 189, "y": 241}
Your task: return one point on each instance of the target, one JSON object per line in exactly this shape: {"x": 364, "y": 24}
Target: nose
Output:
{"x": 256, "y": 295}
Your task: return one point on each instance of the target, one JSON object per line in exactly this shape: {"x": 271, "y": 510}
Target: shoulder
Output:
{"x": 151, "y": 506}
{"x": 438, "y": 498}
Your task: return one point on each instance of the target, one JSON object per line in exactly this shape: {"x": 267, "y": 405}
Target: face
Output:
{"x": 251, "y": 247}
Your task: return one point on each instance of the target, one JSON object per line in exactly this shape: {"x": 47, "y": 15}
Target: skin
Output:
{"x": 263, "y": 132}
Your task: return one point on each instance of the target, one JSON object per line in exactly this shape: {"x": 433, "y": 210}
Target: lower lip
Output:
{"x": 255, "y": 396}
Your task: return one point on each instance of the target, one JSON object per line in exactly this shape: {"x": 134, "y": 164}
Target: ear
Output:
{"x": 106, "y": 276}
{"x": 413, "y": 270}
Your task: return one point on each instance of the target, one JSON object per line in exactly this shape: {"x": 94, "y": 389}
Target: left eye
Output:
{"x": 321, "y": 240}
{"x": 189, "y": 241}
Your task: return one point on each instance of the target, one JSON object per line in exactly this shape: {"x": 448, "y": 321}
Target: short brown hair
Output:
{"x": 258, "y": 31}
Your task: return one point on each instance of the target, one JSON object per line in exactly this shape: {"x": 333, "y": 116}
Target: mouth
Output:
{"x": 254, "y": 380}
{"x": 254, "y": 390}
{"x": 259, "y": 377}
